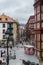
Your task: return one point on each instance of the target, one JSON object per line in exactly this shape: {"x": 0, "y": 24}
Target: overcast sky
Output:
{"x": 17, "y": 9}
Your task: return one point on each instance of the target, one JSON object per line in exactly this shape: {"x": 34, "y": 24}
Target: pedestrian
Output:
{"x": 0, "y": 62}
{"x": 37, "y": 64}
{"x": 10, "y": 53}
{"x": 1, "y": 53}
{"x": 22, "y": 42}
{"x": 24, "y": 62}
{"x": 11, "y": 47}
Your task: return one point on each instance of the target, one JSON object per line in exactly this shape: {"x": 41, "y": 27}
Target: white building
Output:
{"x": 7, "y": 23}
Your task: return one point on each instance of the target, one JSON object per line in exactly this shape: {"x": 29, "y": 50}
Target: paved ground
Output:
{"x": 21, "y": 55}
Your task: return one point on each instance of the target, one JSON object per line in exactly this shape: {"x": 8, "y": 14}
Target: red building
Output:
{"x": 30, "y": 28}
{"x": 38, "y": 9}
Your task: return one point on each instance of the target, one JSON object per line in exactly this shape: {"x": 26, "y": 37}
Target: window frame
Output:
{"x": 3, "y": 25}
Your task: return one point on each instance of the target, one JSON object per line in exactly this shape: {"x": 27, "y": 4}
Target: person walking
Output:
{"x": 1, "y": 53}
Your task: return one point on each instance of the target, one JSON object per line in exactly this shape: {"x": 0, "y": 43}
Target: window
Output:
{"x": 35, "y": 11}
{"x": 41, "y": 16}
{"x": 41, "y": 8}
{"x": 3, "y": 36}
{"x": 38, "y": 37}
{"x": 38, "y": 45}
{"x": 3, "y": 25}
{"x": 35, "y": 18}
{"x": 35, "y": 37}
{"x": 42, "y": 25}
{"x": 3, "y": 31}
{"x": 42, "y": 54}
{"x": 42, "y": 45}
{"x": 38, "y": 25}
{"x": 38, "y": 9}
{"x": 5, "y": 18}
{"x": 38, "y": 17}
{"x": 42, "y": 37}
{"x": 10, "y": 25}
{"x": 0, "y": 18}
{"x": 34, "y": 25}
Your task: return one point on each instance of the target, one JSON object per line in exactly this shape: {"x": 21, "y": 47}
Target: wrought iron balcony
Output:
{"x": 11, "y": 38}
{"x": 10, "y": 32}
{"x": 10, "y": 27}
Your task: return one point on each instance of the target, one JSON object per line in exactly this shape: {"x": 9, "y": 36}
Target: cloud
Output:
{"x": 20, "y": 9}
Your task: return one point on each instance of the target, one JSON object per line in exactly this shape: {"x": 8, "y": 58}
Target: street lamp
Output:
{"x": 7, "y": 37}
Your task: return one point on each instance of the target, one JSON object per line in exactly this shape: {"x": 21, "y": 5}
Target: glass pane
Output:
{"x": 42, "y": 37}
{"x": 35, "y": 11}
{"x": 34, "y": 25}
{"x": 42, "y": 8}
{"x": 3, "y": 36}
{"x": 41, "y": 16}
{"x": 35, "y": 18}
{"x": 38, "y": 54}
{"x": 38, "y": 45}
{"x": 42, "y": 45}
{"x": 38, "y": 9}
{"x": 38, "y": 37}
{"x": 42, "y": 25}
{"x": 35, "y": 37}
{"x": 42, "y": 54}
{"x": 31, "y": 25}
{"x": 4, "y": 31}
{"x": 38, "y": 17}
{"x": 38, "y": 25}
{"x": 3, "y": 25}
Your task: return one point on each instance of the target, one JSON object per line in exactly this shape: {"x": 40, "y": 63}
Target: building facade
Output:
{"x": 7, "y": 23}
{"x": 38, "y": 11}
{"x": 21, "y": 30}
{"x": 30, "y": 28}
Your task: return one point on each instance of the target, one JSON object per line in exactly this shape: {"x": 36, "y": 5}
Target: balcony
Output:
{"x": 11, "y": 38}
{"x": 10, "y": 32}
{"x": 10, "y": 27}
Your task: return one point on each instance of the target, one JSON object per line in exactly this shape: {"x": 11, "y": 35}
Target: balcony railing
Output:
{"x": 10, "y": 32}
{"x": 10, "y": 27}
{"x": 10, "y": 37}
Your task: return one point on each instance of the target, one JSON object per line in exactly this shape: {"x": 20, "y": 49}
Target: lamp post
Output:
{"x": 7, "y": 37}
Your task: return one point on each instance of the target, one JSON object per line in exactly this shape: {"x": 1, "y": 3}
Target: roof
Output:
{"x": 32, "y": 17}
{"x": 28, "y": 46}
{"x": 5, "y": 18}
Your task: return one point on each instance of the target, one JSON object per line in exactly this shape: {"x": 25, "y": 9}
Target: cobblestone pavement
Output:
{"x": 20, "y": 55}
